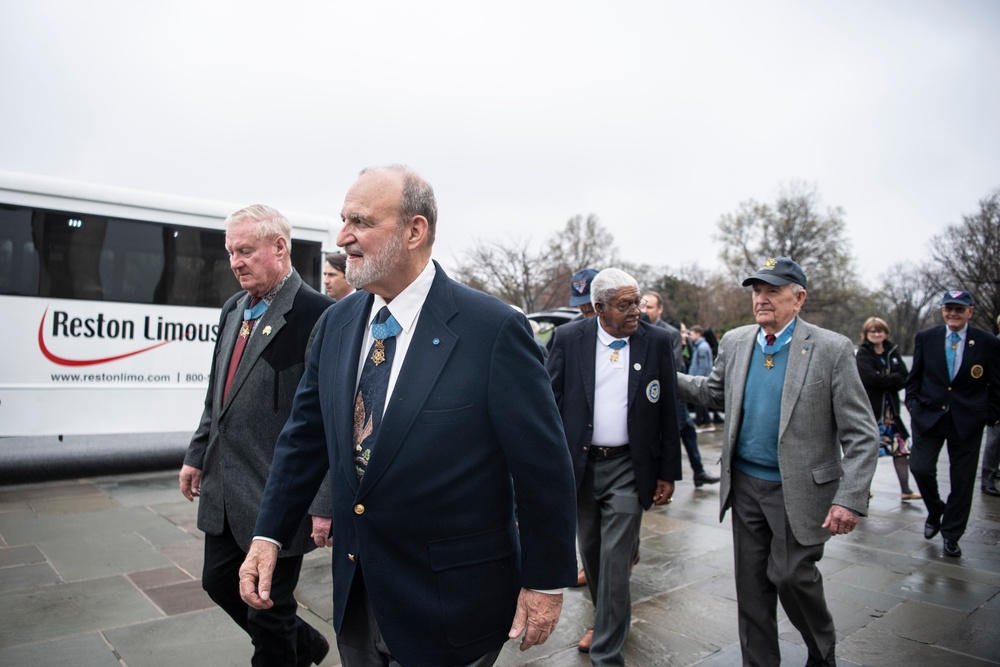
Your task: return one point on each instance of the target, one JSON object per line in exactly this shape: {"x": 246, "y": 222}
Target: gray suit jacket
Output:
{"x": 827, "y": 438}
{"x": 234, "y": 443}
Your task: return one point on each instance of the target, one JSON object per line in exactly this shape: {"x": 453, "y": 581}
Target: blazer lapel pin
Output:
{"x": 267, "y": 330}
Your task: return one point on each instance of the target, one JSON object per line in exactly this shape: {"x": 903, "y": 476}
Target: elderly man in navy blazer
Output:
{"x": 428, "y": 404}
{"x": 952, "y": 393}
{"x": 613, "y": 379}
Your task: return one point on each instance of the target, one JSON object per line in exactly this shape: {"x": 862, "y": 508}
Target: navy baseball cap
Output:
{"x": 778, "y": 271}
{"x": 959, "y": 296}
{"x": 580, "y": 286}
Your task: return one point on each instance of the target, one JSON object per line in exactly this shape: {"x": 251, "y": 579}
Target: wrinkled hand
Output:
{"x": 190, "y": 479}
{"x": 255, "y": 574}
{"x": 664, "y": 494}
{"x": 536, "y": 616}
{"x": 321, "y": 531}
{"x": 840, "y": 520}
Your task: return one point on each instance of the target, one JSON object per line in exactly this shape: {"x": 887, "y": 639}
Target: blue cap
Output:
{"x": 778, "y": 271}
{"x": 580, "y": 286}
{"x": 959, "y": 296}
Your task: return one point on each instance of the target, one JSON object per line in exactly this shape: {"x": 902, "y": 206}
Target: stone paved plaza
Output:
{"x": 105, "y": 572}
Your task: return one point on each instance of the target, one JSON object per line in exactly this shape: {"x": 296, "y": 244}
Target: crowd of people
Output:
{"x": 456, "y": 466}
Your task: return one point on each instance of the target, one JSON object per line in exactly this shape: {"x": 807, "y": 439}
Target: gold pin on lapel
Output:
{"x": 267, "y": 330}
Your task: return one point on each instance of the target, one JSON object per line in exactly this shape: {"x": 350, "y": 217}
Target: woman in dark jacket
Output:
{"x": 883, "y": 374}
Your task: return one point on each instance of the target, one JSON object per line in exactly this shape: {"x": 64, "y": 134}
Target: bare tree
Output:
{"x": 796, "y": 227}
{"x": 905, "y": 301}
{"x": 509, "y": 271}
{"x": 967, "y": 256}
{"x": 537, "y": 280}
{"x": 582, "y": 243}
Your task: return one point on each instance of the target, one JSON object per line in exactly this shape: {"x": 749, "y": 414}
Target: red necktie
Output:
{"x": 769, "y": 338}
{"x": 234, "y": 361}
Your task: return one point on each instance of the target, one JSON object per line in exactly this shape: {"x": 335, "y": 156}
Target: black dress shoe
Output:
{"x": 990, "y": 490}
{"x": 951, "y": 548}
{"x": 931, "y": 527}
{"x": 704, "y": 478}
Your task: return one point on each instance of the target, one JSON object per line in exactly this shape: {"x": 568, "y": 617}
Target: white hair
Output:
{"x": 607, "y": 283}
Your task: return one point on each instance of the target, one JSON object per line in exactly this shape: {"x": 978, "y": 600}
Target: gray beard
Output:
{"x": 376, "y": 265}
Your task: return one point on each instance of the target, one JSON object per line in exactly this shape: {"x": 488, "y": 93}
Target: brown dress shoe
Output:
{"x": 586, "y": 641}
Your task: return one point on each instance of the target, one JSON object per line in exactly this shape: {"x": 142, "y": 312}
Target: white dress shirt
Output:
{"x": 610, "y": 391}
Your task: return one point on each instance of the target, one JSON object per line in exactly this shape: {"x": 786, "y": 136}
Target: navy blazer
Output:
{"x": 652, "y": 405}
{"x": 471, "y": 426}
{"x": 973, "y": 397}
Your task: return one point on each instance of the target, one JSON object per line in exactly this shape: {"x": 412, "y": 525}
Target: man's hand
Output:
{"x": 536, "y": 616}
{"x": 664, "y": 494}
{"x": 255, "y": 574}
{"x": 840, "y": 520}
{"x": 321, "y": 531}
{"x": 190, "y": 479}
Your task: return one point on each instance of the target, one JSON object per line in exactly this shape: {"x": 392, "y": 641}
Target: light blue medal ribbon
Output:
{"x": 779, "y": 342}
{"x": 773, "y": 349}
{"x": 251, "y": 314}
{"x": 382, "y": 331}
{"x": 616, "y": 345}
{"x": 256, "y": 311}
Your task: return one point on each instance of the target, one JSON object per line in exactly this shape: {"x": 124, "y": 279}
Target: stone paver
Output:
{"x": 107, "y": 572}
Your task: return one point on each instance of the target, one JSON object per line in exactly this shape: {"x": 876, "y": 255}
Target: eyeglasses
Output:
{"x": 626, "y": 307}
{"x": 954, "y": 308}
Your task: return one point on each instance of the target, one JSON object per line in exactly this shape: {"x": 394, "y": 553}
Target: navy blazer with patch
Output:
{"x": 652, "y": 405}
{"x": 973, "y": 397}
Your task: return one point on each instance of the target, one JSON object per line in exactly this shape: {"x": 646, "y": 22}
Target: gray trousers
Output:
{"x": 991, "y": 455}
{"x": 770, "y": 565}
{"x": 609, "y": 516}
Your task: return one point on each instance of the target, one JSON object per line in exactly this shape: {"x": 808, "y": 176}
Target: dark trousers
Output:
{"x": 701, "y": 416}
{"x": 963, "y": 459}
{"x": 771, "y": 565}
{"x": 360, "y": 641}
{"x": 279, "y": 636}
{"x": 689, "y": 437}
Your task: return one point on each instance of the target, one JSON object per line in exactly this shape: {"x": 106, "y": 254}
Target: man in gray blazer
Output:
{"x": 260, "y": 351}
{"x": 798, "y": 457}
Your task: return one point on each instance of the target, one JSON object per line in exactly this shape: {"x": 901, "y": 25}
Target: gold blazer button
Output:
{"x": 359, "y": 509}
{"x": 350, "y": 557}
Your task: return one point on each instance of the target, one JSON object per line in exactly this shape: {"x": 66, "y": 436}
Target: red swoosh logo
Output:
{"x": 83, "y": 362}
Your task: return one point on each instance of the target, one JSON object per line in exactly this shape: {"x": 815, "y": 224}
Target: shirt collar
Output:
{"x": 604, "y": 337}
{"x": 273, "y": 292}
{"x": 762, "y": 337}
{"x": 407, "y": 304}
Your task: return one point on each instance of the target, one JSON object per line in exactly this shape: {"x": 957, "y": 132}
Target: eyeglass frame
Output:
{"x": 639, "y": 305}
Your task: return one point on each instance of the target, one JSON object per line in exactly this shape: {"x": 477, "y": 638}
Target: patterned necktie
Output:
{"x": 370, "y": 401}
{"x": 949, "y": 353}
{"x": 770, "y": 338}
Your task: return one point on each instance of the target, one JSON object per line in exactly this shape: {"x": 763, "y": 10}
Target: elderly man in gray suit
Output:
{"x": 263, "y": 340}
{"x": 798, "y": 457}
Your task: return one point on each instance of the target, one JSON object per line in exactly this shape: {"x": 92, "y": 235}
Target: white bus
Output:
{"x": 110, "y": 301}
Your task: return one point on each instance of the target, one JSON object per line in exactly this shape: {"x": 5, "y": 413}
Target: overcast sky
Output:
{"x": 658, "y": 117}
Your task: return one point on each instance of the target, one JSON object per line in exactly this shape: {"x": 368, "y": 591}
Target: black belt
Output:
{"x": 601, "y": 453}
